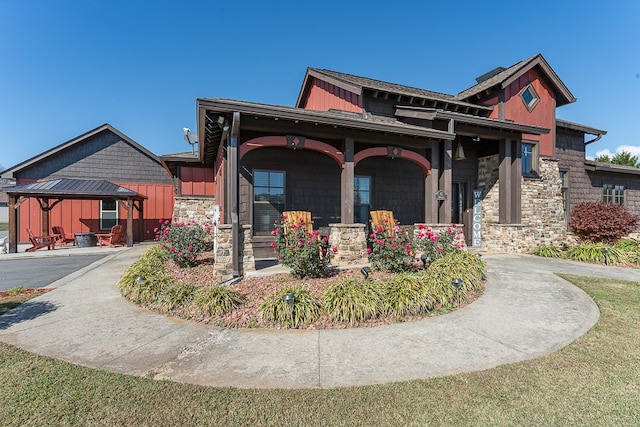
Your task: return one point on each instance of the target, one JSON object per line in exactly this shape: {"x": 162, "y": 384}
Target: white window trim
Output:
{"x": 117, "y": 211}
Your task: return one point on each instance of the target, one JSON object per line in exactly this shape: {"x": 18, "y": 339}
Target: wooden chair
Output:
{"x": 298, "y": 218}
{"x": 40, "y": 242}
{"x": 61, "y": 238}
{"x": 383, "y": 219}
{"x": 113, "y": 238}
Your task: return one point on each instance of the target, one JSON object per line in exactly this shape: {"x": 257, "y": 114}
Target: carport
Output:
{"x": 51, "y": 192}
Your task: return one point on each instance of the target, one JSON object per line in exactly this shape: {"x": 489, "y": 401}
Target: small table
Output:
{"x": 86, "y": 240}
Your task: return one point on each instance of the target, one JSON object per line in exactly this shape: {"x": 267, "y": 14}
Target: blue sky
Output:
{"x": 68, "y": 66}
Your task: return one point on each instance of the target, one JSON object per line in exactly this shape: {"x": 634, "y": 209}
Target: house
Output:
{"x": 493, "y": 158}
{"x": 83, "y": 185}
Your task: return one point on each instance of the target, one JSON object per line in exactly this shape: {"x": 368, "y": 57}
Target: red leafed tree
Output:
{"x": 601, "y": 222}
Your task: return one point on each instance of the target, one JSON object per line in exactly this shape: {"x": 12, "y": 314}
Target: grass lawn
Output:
{"x": 593, "y": 381}
{"x": 4, "y": 226}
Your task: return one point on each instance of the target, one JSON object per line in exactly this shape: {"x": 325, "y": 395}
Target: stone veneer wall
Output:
{"x": 351, "y": 241}
{"x": 543, "y": 220}
{"x": 223, "y": 267}
{"x": 192, "y": 208}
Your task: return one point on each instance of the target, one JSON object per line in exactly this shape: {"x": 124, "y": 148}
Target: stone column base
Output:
{"x": 351, "y": 242}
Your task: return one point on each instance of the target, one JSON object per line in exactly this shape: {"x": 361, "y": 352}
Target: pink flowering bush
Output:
{"x": 390, "y": 250}
{"x": 182, "y": 241}
{"x": 306, "y": 254}
{"x": 435, "y": 245}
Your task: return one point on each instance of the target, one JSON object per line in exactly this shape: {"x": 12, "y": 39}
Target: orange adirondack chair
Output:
{"x": 40, "y": 242}
{"x": 383, "y": 219}
{"x": 61, "y": 238}
{"x": 115, "y": 237}
{"x": 298, "y": 218}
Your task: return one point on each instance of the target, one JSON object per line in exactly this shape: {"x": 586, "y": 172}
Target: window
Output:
{"x": 361, "y": 199}
{"x": 613, "y": 194}
{"x": 268, "y": 200}
{"x": 529, "y": 159}
{"x": 529, "y": 97}
{"x": 108, "y": 214}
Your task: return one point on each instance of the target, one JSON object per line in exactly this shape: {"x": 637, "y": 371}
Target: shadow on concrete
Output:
{"x": 26, "y": 311}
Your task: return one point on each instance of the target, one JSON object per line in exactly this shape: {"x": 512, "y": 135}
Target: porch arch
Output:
{"x": 394, "y": 152}
{"x": 292, "y": 142}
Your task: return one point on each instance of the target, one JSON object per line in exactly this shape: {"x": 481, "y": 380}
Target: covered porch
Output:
{"x": 51, "y": 192}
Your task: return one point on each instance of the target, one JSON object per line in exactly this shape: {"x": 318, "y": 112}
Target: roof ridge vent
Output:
{"x": 489, "y": 74}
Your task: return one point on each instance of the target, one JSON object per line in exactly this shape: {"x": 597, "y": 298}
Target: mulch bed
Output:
{"x": 6, "y": 294}
{"x": 255, "y": 289}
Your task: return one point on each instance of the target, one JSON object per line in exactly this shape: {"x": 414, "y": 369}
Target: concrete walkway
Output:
{"x": 526, "y": 312}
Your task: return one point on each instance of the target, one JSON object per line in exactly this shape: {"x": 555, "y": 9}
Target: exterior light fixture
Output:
{"x": 459, "y": 154}
{"x": 365, "y": 272}
{"x": 606, "y": 256}
{"x": 289, "y": 299}
{"x": 456, "y": 283}
{"x": 424, "y": 258}
{"x": 139, "y": 281}
{"x": 476, "y": 138}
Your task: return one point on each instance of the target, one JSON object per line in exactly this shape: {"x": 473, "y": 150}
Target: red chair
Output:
{"x": 114, "y": 238}
{"x": 40, "y": 242}
{"x": 61, "y": 238}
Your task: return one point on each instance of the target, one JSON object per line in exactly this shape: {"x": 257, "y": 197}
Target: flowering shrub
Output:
{"x": 390, "y": 250}
{"x": 306, "y": 254}
{"x": 435, "y": 245}
{"x": 183, "y": 241}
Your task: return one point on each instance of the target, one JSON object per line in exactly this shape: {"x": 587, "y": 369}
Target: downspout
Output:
{"x": 233, "y": 174}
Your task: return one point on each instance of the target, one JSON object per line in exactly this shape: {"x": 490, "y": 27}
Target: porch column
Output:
{"x": 445, "y": 184}
{"x": 129, "y": 222}
{"x": 232, "y": 158}
{"x": 509, "y": 177}
{"x": 44, "y": 205}
{"x": 13, "y": 224}
{"x": 346, "y": 184}
{"x": 516, "y": 181}
{"x": 431, "y": 186}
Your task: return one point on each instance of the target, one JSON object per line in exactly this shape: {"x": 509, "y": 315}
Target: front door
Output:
{"x": 459, "y": 212}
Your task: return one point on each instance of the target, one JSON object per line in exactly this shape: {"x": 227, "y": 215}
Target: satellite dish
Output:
{"x": 191, "y": 138}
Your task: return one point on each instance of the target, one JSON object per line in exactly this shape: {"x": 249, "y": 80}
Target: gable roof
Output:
{"x": 9, "y": 173}
{"x": 509, "y": 75}
{"x": 357, "y": 84}
{"x": 73, "y": 188}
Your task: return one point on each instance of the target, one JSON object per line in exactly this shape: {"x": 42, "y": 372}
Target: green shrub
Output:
{"x": 150, "y": 266}
{"x": 182, "y": 241}
{"x": 596, "y": 253}
{"x": 600, "y": 222}
{"x": 406, "y": 294}
{"x": 306, "y": 254}
{"x": 353, "y": 300}
{"x": 390, "y": 250}
{"x": 628, "y": 245}
{"x": 217, "y": 300}
{"x": 304, "y": 309}
{"x": 463, "y": 265}
{"x": 176, "y": 295}
{"x": 548, "y": 251}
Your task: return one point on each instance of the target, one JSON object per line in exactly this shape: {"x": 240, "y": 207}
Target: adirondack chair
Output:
{"x": 40, "y": 242}
{"x": 383, "y": 219}
{"x": 62, "y": 238}
{"x": 113, "y": 238}
{"x": 298, "y": 218}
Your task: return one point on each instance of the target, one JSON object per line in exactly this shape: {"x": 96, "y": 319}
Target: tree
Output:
{"x": 623, "y": 158}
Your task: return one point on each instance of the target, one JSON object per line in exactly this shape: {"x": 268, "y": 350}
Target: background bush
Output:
{"x": 596, "y": 253}
{"x": 306, "y": 254}
{"x": 391, "y": 250}
{"x": 601, "y": 222}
